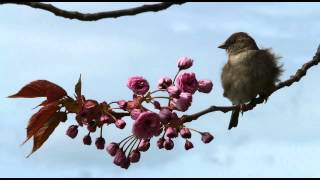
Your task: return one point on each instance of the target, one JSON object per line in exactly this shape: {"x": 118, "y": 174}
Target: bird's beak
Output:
{"x": 223, "y": 46}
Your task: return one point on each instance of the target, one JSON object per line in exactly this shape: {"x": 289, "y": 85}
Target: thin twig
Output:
{"x": 99, "y": 15}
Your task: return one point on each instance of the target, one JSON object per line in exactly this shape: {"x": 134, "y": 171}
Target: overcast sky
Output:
{"x": 277, "y": 139}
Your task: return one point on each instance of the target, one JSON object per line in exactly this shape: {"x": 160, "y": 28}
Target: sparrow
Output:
{"x": 249, "y": 72}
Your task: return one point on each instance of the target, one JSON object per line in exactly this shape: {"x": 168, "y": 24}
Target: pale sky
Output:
{"x": 277, "y": 139}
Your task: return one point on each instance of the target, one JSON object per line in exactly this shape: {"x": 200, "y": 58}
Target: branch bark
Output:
{"x": 99, "y": 15}
{"x": 294, "y": 78}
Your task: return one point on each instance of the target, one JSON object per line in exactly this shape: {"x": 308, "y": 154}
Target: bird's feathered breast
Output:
{"x": 250, "y": 73}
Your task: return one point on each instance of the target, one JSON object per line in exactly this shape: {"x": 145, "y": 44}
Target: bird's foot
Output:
{"x": 265, "y": 98}
{"x": 242, "y": 108}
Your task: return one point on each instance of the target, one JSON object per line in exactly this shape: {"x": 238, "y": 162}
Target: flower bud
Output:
{"x": 112, "y": 148}
{"x": 87, "y": 140}
{"x": 160, "y": 143}
{"x": 119, "y": 158}
{"x": 168, "y": 144}
{"x": 120, "y": 123}
{"x": 164, "y": 82}
{"x": 125, "y": 164}
{"x": 100, "y": 142}
{"x": 135, "y": 113}
{"x": 122, "y": 104}
{"x": 171, "y": 132}
{"x": 205, "y": 86}
{"x": 185, "y": 133}
{"x": 134, "y": 156}
{"x": 92, "y": 126}
{"x": 185, "y": 63}
{"x": 206, "y": 137}
{"x": 165, "y": 115}
{"x": 157, "y": 105}
{"x": 104, "y": 119}
{"x": 188, "y": 145}
{"x": 72, "y": 131}
{"x": 173, "y": 91}
{"x": 144, "y": 145}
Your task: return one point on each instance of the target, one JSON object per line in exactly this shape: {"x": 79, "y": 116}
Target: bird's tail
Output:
{"x": 234, "y": 119}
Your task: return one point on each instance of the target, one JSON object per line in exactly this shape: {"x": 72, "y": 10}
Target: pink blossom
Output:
{"x": 138, "y": 85}
{"x": 147, "y": 125}
{"x": 173, "y": 91}
{"x": 187, "y": 82}
{"x": 184, "y": 102}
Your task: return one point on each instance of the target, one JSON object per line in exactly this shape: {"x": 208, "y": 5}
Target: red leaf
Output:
{"x": 46, "y": 130}
{"x": 41, "y": 88}
{"x": 78, "y": 88}
{"x": 39, "y": 119}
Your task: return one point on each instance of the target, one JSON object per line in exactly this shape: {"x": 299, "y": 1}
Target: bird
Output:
{"x": 248, "y": 73}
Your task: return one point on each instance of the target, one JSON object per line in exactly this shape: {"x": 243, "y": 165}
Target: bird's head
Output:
{"x": 239, "y": 42}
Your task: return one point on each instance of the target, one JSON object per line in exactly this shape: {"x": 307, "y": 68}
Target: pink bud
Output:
{"x": 165, "y": 115}
{"x": 188, "y": 145}
{"x": 120, "y": 123}
{"x": 168, "y": 144}
{"x": 171, "y": 132}
{"x": 87, "y": 140}
{"x": 144, "y": 145}
{"x": 122, "y": 104}
{"x": 164, "y": 82}
{"x": 92, "y": 126}
{"x": 135, "y": 113}
{"x": 134, "y": 156}
{"x": 205, "y": 86}
{"x": 173, "y": 91}
{"x": 125, "y": 164}
{"x": 206, "y": 137}
{"x": 72, "y": 131}
{"x": 100, "y": 142}
{"x": 157, "y": 105}
{"x": 119, "y": 158}
{"x": 112, "y": 148}
{"x": 160, "y": 143}
{"x": 104, "y": 119}
{"x": 185, "y": 63}
{"x": 185, "y": 133}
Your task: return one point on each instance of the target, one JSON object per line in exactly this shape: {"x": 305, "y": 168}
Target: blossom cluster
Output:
{"x": 162, "y": 121}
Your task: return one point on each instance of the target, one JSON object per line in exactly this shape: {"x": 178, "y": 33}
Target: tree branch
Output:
{"x": 294, "y": 78}
{"x": 96, "y": 16}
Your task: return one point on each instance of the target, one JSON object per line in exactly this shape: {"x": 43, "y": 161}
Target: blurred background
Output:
{"x": 277, "y": 139}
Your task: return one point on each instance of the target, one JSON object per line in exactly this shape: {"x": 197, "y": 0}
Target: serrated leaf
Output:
{"x": 78, "y": 88}
{"x": 39, "y": 119}
{"x": 41, "y": 88}
{"x": 46, "y": 130}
